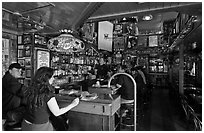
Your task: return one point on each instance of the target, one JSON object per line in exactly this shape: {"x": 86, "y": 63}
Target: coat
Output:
{"x": 11, "y": 93}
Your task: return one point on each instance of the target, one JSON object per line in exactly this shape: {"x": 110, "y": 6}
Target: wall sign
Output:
{"x": 43, "y": 58}
{"x": 153, "y": 41}
{"x": 105, "y": 35}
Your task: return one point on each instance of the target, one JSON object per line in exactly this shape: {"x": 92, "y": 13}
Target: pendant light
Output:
{"x": 66, "y": 42}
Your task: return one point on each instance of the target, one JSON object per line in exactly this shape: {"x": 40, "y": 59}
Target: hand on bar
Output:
{"x": 75, "y": 102}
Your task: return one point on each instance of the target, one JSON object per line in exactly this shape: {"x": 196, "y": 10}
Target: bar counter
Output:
{"x": 94, "y": 115}
{"x": 194, "y": 98}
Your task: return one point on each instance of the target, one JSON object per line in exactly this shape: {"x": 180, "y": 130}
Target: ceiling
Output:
{"x": 72, "y": 15}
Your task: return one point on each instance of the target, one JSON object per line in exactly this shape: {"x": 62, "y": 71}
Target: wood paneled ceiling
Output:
{"x": 72, "y": 15}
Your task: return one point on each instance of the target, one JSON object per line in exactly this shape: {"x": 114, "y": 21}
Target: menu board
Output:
{"x": 43, "y": 58}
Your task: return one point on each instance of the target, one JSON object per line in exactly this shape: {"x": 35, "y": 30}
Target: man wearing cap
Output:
{"x": 12, "y": 93}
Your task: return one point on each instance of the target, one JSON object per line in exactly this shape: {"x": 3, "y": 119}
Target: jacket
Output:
{"x": 11, "y": 93}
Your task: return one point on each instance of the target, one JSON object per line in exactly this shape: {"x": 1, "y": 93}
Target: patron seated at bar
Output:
{"x": 12, "y": 93}
{"x": 89, "y": 81}
{"x": 41, "y": 102}
{"x": 125, "y": 85}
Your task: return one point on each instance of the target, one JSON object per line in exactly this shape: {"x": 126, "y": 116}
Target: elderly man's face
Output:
{"x": 15, "y": 72}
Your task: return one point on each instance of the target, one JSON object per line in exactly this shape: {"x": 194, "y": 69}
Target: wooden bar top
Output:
{"x": 99, "y": 106}
{"x": 101, "y": 90}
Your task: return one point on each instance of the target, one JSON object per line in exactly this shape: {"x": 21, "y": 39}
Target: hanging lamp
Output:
{"x": 66, "y": 42}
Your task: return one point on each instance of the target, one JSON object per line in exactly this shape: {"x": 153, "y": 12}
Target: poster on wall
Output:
{"x": 21, "y": 51}
{"x": 21, "y": 62}
{"x": 153, "y": 41}
{"x": 43, "y": 58}
{"x": 27, "y": 49}
{"x": 132, "y": 42}
{"x": 105, "y": 35}
{"x": 142, "y": 41}
{"x": 28, "y": 72}
{"x": 119, "y": 43}
{"x": 27, "y": 62}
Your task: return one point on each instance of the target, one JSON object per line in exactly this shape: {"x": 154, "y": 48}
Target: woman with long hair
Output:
{"x": 41, "y": 102}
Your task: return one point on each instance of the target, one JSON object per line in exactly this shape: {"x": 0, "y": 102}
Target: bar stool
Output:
{"x": 128, "y": 111}
{"x": 194, "y": 117}
{"x": 127, "y": 114}
{"x": 191, "y": 116}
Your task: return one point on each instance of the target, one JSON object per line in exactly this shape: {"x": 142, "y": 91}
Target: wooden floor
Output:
{"x": 163, "y": 113}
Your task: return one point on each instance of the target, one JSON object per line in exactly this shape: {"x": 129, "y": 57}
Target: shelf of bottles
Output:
{"x": 157, "y": 65}
{"x": 73, "y": 66}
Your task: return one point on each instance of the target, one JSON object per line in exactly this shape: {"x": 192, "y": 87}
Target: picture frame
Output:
{"x": 20, "y": 51}
{"x": 19, "y": 39}
{"x": 26, "y": 39}
{"x": 28, "y": 72}
{"x": 27, "y": 62}
{"x": 27, "y": 49}
{"x": 118, "y": 28}
{"x": 132, "y": 42}
{"x": 43, "y": 58}
{"x": 142, "y": 41}
{"x": 119, "y": 43}
{"x": 21, "y": 62}
{"x": 153, "y": 41}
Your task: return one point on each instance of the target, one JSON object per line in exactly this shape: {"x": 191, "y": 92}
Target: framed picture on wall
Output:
{"x": 20, "y": 51}
{"x": 132, "y": 42}
{"x": 27, "y": 49}
{"x": 19, "y": 39}
{"x": 142, "y": 41}
{"x": 43, "y": 58}
{"x": 28, "y": 72}
{"x": 153, "y": 41}
{"x": 119, "y": 43}
{"x": 21, "y": 62}
{"x": 27, "y": 62}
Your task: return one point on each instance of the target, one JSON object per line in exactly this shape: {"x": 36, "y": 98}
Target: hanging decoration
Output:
{"x": 66, "y": 43}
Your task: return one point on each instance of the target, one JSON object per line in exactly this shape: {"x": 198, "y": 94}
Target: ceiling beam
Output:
{"x": 37, "y": 8}
{"x": 142, "y": 12}
{"x": 88, "y": 11}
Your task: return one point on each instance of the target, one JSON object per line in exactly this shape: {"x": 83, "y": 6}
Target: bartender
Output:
{"x": 101, "y": 69}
